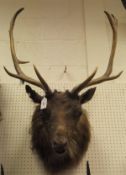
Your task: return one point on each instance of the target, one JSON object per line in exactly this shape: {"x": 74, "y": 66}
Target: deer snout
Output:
{"x": 59, "y": 144}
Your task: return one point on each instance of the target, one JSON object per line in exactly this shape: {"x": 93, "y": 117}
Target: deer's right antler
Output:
{"x": 20, "y": 75}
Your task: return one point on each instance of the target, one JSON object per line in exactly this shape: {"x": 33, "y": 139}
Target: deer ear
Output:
{"x": 33, "y": 95}
{"x": 86, "y": 96}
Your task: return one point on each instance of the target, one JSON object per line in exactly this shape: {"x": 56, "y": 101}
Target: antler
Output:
{"x": 106, "y": 76}
{"x": 20, "y": 75}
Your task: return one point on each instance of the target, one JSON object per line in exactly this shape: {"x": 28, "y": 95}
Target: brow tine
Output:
{"x": 77, "y": 89}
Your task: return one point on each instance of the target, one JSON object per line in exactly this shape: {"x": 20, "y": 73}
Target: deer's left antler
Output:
{"x": 106, "y": 76}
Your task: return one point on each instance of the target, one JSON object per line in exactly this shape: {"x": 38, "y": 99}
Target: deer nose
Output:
{"x": 59, "y": 146}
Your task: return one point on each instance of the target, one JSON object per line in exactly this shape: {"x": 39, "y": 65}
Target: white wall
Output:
{"x": 54, "y": 33}
{"x": 49, "y": 34}
{"x": 99, "y": 35}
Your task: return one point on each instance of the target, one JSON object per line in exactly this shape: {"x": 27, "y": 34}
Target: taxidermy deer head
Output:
{"x": 60, "y": 127}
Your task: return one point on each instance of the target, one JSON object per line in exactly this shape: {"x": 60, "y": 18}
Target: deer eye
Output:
{"x": 77, "y": 113}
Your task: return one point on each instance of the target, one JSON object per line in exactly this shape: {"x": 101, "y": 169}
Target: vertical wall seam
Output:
{"x": 85, "y": 35}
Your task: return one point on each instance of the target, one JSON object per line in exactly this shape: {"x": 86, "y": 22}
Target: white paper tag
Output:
{"x": 43, "y": 103}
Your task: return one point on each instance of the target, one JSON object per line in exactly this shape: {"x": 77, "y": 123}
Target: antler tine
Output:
{"x": 77, "y": 89}
{"x": 44, "y": 84}
{"x": 106, "y": 76}
{"x": 114, "y": 25}
{"x": 20, "y": 75}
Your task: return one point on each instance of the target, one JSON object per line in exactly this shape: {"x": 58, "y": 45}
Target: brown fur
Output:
{"x": 63, "y": 118}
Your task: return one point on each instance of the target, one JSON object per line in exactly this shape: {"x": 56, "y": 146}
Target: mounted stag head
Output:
{"x": 60, "y": 127}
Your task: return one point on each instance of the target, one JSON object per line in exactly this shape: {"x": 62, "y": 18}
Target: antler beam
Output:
{"x": 20, "y": 75}
{"x": 106, "y": 76}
